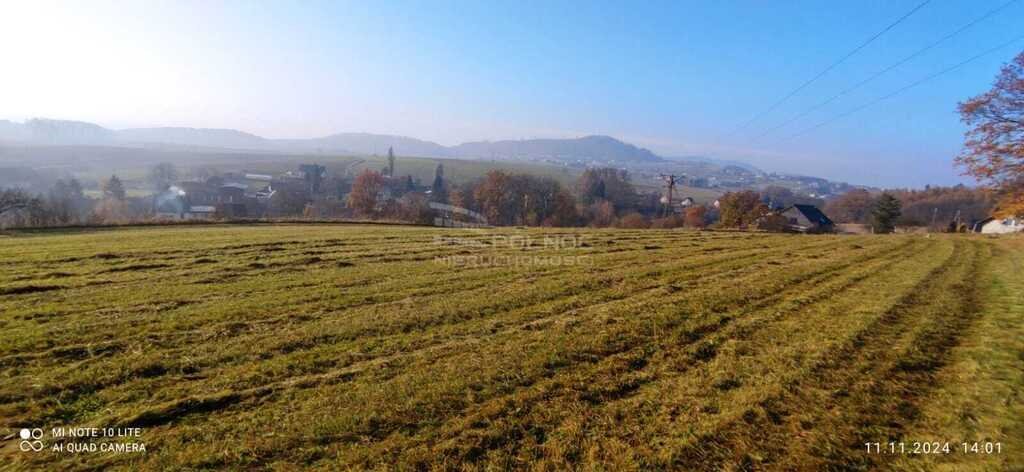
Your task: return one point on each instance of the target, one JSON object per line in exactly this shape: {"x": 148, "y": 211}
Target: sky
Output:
{"x": 680, "y": 77}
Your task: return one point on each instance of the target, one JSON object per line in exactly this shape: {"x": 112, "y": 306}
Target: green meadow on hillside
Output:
{"x": 360, "y": 347}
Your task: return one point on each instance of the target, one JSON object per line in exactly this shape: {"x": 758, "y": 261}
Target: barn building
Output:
{"x": 807, "y": 219}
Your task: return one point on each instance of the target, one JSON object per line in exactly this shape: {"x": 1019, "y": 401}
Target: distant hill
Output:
{"x": 84, "y": 148}
{"x": 204, "y": 137}
{"x": 55, "y": 132}
{"x": 589, "y": 149}
{"x": 603, "y": 149}
{"x": 366, "y": 143}
{"x": 717, "y": 162}
{"x": 11, "y": 131}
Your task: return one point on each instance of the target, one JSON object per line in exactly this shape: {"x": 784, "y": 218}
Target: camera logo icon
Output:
{"x": 31, "y": 440}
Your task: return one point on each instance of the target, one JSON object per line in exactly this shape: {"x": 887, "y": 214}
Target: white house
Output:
{"x": 1002, "y": 225}
{"x": 201, "y": 212}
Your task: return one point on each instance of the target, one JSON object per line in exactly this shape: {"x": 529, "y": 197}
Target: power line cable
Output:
{"x": 905, "y": 88}
{"x": 887, "y": 69}
{"x": 829, "y": 68}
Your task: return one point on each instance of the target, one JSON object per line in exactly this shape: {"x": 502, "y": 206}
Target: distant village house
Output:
{"x": 807, "y": 219}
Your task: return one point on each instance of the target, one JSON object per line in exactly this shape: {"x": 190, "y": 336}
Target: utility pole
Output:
{"x": 526, "y": 208}
{"x": 670, "y": 183}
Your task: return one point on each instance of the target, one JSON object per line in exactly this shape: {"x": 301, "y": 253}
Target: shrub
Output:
{"x": 633, "y": 221}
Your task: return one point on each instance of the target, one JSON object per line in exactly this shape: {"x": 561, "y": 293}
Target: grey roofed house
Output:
{"x": 807, "y": 219}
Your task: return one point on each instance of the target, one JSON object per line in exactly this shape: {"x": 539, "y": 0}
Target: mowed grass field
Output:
{"x": 365, "y": 347}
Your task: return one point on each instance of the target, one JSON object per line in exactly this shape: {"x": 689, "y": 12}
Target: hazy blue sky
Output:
{"x": 676, "y": 77}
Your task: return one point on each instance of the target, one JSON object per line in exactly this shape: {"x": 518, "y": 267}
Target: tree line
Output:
{"x": 938, "y": 208}
{"x": 600, "y": 197}
{"x": 66, "y": 204}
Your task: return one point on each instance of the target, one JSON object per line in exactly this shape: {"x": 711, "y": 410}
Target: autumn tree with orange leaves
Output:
{"x": 365, "y": 189}
{"x": 740, "y": 209}
{"x": 994, "y": 145}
